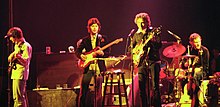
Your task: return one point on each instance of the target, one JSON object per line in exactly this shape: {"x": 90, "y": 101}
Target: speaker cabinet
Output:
{"x": 54, "y": 69}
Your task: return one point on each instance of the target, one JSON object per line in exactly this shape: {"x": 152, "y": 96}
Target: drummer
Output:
{"x": 198, "y": 63}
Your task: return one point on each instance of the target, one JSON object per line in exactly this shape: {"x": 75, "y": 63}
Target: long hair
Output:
{"x": 93, "y": 21}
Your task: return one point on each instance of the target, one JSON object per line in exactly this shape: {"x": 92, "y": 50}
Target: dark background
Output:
{"x": 61, "y": 23}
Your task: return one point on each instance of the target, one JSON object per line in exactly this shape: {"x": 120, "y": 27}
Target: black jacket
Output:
{"x": 85, "y": 44}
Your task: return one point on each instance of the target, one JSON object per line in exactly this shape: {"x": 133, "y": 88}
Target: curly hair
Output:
{"x": 144, "y": 16}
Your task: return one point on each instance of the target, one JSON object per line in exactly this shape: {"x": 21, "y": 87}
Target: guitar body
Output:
{"x": 12, "y": 65}
{"x": 137, "y": 53}
{"x": 138, "y": 50}
{"x": 90, "y": 56}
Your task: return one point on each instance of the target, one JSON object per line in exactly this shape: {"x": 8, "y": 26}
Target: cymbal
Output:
{"x": 174, "y": 50}
{"x": 189, "y": 56}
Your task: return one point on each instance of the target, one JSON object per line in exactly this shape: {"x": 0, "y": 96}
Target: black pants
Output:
{"x": 86, "y": 97}
{"x": 146, "y": 74}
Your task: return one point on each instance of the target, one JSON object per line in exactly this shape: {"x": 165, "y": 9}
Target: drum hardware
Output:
{"x": 202, "y": 92}
{"x": 202, "y": 96}
{"x": 166, "y": 90}
{"x": 173, "y": 51}
{"x": 189, "y": 56}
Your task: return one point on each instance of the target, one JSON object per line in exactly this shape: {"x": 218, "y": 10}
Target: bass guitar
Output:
{"x": 90, "y": 56}
{"x": 138, "y": 50}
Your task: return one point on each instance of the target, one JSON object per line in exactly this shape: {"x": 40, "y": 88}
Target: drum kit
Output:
{"x": 172, "y": 75}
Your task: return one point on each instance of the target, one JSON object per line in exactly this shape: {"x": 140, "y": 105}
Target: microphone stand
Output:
{"x": 132, "y": 71}
{"x": 126, "y": 47}
{"x": 132, "y": 66}
{"x": 94, "y": 85}
{"x": 10, "y": 47}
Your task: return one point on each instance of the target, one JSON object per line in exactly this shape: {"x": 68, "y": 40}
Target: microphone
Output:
{"x": 99, "y": 35}
{"x": 132, "y": 31}
{"x": 174, "y": 35}
{"x": 8, "y": 35}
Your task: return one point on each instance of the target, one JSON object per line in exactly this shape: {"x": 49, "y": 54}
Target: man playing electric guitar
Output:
{"x": 148, "y": 59}
{"x": 20, "y": 61}
{"x": 138, "y": 49}
{"x": 87, "y": 45}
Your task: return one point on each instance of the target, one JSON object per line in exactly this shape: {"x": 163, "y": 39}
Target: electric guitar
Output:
{"x": 90, "y": 56}
{"x": 138, "y": 50}
{"x": 12, "y": 64}
{"x": 14, "y": 60}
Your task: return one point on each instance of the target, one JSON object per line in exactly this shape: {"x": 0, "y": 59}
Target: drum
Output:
{"x": 162, "y": 74}
{"x": 163, "y": 69}
{"x": 166, "y": 86}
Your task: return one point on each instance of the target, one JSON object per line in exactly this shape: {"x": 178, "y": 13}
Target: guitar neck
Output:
{"x": 154, "y": 31}
{"x": 146, "y": 42}
{"x": 106, "y": 46}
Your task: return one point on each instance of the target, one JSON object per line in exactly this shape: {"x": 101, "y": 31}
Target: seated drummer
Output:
{"x": 198, "y": 66}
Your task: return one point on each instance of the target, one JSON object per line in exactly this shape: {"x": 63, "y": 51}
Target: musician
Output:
{"x": 149, "y": 61}
{"x": 19, "y": 61}
{"x": 199, "y": 66}
{"x": 85, "y": 45}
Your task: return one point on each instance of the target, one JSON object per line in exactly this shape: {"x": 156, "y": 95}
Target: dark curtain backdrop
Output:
{"x": 61, "y": 23}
